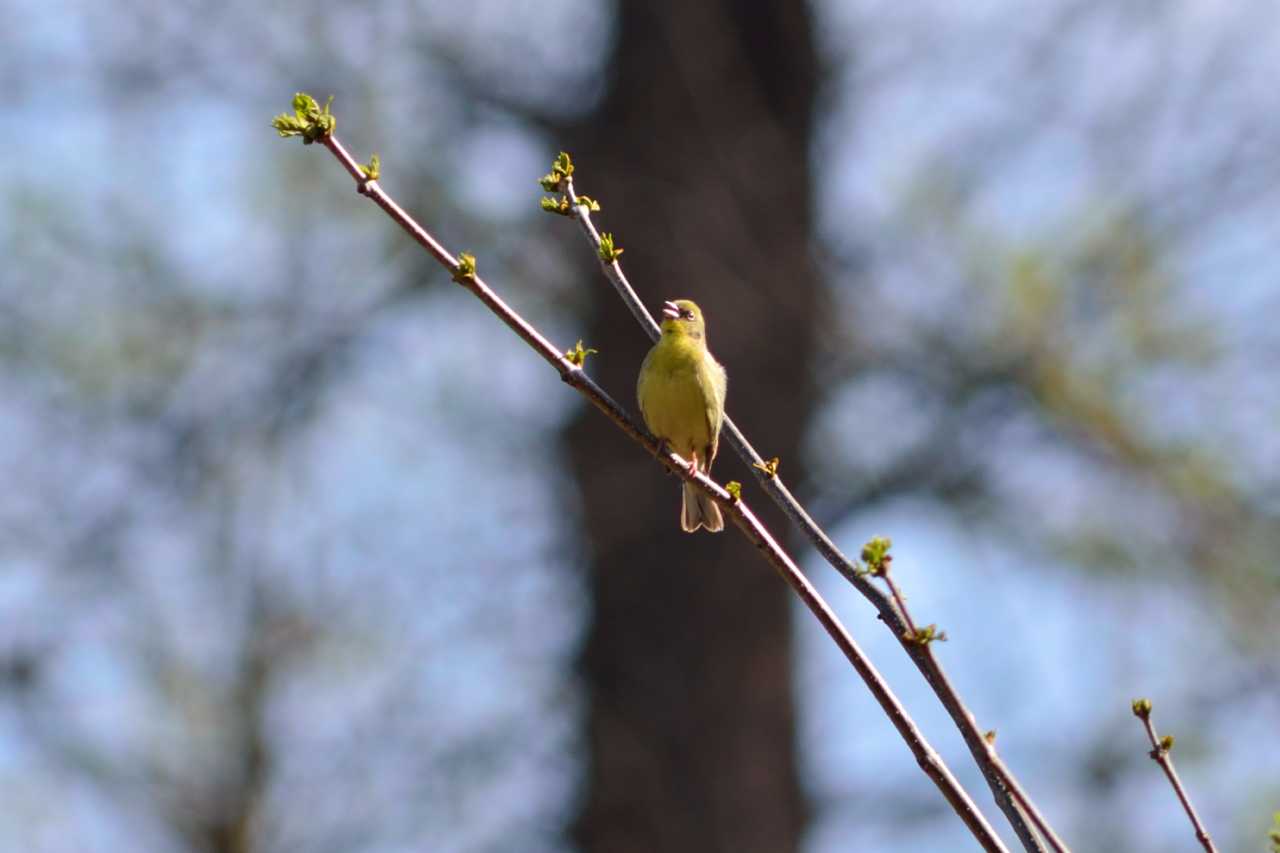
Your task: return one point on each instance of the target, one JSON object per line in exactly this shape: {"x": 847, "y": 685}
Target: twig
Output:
{"x": 1160, "y": 749}
{"x": 463, "y": 270}
{"x": 902, "y": 604}
{"x": 878, "y": 559}
{"x": 1018, "y": 807}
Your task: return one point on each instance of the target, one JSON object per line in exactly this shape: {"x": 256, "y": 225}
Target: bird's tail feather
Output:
{"x": 698, "y": 510}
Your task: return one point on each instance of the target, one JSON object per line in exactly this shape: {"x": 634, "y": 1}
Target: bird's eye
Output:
{"x": 687, "y": 314}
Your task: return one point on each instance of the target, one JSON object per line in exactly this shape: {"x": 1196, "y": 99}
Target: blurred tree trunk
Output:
{"x": 698, "y": 153}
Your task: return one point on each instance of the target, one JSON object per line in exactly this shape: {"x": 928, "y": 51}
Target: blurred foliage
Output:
{"x": 250, "y": 596}
{"x": 238, "y": 608}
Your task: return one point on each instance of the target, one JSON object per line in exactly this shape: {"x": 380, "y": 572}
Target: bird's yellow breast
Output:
{"x": 676, "y": 394}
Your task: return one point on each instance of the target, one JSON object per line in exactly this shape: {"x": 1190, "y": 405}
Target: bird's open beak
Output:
{"x": 670, "y": 311}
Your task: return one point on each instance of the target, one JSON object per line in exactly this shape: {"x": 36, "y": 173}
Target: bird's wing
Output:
{"x": 640, "y": 382}
{"x": 716, "y": 378}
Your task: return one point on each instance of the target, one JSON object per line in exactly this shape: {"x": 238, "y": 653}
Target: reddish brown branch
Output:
{"x": 927, "y": 758}
{"x": 1160, "y": 749}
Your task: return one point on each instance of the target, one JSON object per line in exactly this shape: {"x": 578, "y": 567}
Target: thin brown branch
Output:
{"x": 899, "y": 600}
{"x": 1018, "y": 807}
{"x": 1160, "y": 749}
{"x": 928, "y": 759}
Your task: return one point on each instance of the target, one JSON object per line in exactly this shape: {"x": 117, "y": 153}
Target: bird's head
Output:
{"x": 682, "y": 317}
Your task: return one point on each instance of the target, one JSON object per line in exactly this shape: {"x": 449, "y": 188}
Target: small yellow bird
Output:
{"x": 681, "y": 391}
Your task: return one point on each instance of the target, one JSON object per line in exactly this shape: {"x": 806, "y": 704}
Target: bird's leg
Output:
{"x": 662, "y": 451}
{"x": 693, "y": 463}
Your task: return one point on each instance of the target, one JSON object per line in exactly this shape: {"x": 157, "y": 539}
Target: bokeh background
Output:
{"x": 300, "y": 549}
